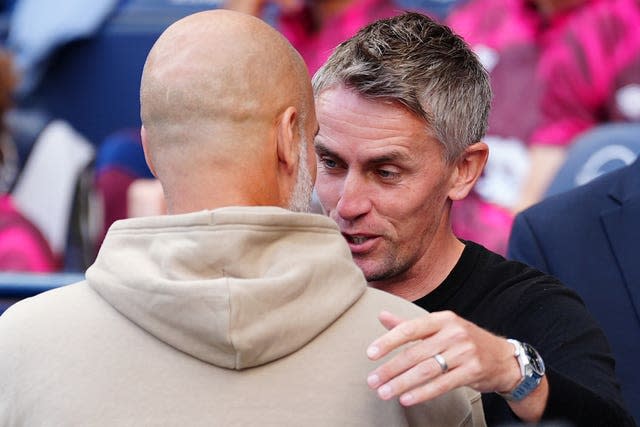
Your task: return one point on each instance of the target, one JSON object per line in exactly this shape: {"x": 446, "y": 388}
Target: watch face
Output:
{"x": 537, "y": 364}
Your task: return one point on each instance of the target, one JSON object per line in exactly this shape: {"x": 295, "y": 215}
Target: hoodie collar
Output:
{"x": 236, "y": 287}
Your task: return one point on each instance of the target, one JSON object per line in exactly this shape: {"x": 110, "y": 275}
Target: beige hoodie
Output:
{"x": 232, "y": 317}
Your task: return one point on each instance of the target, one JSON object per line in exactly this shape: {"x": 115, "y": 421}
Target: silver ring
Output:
{"x": 443, "y": 363}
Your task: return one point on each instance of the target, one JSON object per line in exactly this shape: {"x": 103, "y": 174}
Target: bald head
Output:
{"x": 218, "y": 90}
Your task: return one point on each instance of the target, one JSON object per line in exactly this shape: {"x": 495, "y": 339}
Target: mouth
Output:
{"x": 360, "y": 243}
{"x": 357, "y": 240}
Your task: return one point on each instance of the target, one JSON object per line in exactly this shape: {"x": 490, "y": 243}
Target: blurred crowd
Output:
{"x": 559, "y": 68}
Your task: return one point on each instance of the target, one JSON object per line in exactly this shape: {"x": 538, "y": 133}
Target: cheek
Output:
{"x": 327, "y": 190}
{"x": 413, "y": 212}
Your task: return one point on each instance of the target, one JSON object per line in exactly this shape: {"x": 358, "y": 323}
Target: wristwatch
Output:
{"x": 531, "y": 368}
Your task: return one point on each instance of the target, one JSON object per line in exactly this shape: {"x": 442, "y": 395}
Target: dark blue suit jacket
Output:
{"x": 589, "y": 238}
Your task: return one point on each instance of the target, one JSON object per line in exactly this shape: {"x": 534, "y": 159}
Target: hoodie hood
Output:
{"x": 236, "y": 287}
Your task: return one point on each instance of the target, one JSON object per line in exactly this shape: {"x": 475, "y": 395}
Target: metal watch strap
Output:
{"x": 531, "y": 370}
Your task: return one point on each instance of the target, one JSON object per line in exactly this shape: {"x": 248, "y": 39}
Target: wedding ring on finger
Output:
{"x": 440, "y": 361}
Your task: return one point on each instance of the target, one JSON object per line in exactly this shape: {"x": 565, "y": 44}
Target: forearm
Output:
{"x": 251, "y": 7}
{"x": 545, "y": 162}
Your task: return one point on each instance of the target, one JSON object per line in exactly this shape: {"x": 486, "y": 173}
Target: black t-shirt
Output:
{"x": 513, "y": 300}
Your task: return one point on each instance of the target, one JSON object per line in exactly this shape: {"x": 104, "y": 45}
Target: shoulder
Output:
{"x": 505, "y": 280}
{"x": 492, "y": 269}
{"x": 374, "y": 299}
{"x": 363, "y": 315}
{"x": 46, "y": 315}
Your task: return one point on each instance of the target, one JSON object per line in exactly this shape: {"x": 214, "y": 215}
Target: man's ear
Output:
{"x": 468, "y": 169}
{"x": 145, "y": 149}
{"x": 287, "y": 144}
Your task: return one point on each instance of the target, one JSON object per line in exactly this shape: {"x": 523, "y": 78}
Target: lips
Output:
{"x": 360, "y": 243}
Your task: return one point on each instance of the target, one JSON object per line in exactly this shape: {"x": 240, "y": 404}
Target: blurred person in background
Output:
{"x": 315, "y": 28}
{"x": 23, "y": 248}
{"x": 591, "y": 76}
{"x": 558, "y": 67}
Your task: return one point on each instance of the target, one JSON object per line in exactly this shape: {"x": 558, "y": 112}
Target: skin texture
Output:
{"x": 225, "y": 104}
{"x": 383, "y": 178}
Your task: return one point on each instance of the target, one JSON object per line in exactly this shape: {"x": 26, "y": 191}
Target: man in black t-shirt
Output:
{"x": 402, "y": 108}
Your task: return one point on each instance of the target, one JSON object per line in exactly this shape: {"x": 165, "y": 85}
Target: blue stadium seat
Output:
{"x": 596, "y": 152}
{"x": 16, "y": 286}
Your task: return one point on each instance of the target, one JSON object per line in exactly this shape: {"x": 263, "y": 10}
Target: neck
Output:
{"x": 427, "y": 273}
{"x": 208, "y": 194}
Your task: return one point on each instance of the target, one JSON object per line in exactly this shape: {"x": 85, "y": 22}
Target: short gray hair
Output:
{"x": 424, "y": 66}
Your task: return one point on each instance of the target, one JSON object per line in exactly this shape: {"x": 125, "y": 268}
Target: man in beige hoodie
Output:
{"x": 231, "y": 310}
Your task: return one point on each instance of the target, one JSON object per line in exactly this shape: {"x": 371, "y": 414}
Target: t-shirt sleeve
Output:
{"x": 569, "y": 102}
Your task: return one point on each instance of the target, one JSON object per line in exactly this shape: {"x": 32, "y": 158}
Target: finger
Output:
{"x": 403, "y": 333}
{"x": 419, "y": 374}
{"x": 404, "y": 361}
{"x": 437, "y": 387}
{"x": 389, "y": 320}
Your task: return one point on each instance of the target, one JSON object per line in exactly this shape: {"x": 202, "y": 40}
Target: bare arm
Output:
{"x": 545, "y": 162}
{"x": 251, "y": 7}
{"x": 256, "y": 7}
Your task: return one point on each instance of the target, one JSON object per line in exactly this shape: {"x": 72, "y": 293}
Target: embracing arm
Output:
{"x": 473, "y": 357}
{"x": 485, "y": 362}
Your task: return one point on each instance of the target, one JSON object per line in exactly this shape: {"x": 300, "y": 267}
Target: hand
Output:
{"x": 474, "y": 358}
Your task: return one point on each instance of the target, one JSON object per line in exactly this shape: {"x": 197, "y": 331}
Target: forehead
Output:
{"x": 353, "y": 125}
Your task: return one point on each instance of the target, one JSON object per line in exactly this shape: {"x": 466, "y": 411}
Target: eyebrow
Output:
{"x": 390, "y": 157}
{"x": 323, "y": 150}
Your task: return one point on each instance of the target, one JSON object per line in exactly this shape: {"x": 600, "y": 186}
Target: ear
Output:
{"x": 468, "y": 169}
{"x": 287, "y": 144}
{"x": 145, "y": 149}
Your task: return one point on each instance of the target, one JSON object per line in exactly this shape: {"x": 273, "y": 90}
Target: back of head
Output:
{"x": 424, "y": 66}
{"x": 213, "y": 87}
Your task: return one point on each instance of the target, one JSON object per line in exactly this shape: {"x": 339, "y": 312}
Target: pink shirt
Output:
{"x": 316, "y": 46}
{"x": 22, "y": 246}
{"x": 592, "y": 73}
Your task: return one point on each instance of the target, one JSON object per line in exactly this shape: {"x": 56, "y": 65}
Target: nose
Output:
{"x": 354, "y": 199}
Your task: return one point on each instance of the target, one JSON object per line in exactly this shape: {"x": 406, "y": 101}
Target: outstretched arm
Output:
{"x": 579, "y": 386}
{"x": 473, "y": 357}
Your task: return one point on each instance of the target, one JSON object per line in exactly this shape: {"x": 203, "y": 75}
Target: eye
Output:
{"x": 387, "y": 174}
{"x": 328, "y": 162}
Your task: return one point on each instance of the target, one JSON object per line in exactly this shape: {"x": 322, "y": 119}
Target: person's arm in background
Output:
{"x": 545, "y": 161}
{"x": 252, "y": 7}
{"x": 256, "y": 7}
